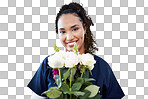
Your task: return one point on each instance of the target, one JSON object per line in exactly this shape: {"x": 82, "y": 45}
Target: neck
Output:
{"x": 82, "y": 50}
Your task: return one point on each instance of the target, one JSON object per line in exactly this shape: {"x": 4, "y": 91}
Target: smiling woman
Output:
{"x": 74, "y": 17}
{"x": 73, "y": 26}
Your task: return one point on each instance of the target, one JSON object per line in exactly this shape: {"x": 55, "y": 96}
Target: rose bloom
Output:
{"x": 71, "y": 59}
{"x": 56, "y": 60}
{"x": 62, "y": 54}
{"x": 88, "y": 60}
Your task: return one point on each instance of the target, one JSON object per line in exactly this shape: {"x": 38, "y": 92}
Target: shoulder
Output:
{"x": 102, "y": 66}
{"x": 100, "y": 61}
{"x": 46, "y": 59}
{"x": 101, "y": 71}
{"x": 44, "y": 64}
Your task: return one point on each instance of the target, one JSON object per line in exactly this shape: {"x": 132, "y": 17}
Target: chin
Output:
{"x": 69, "y": 49}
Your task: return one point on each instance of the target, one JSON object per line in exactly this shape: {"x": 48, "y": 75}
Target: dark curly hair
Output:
{"x": 79, "y": 11}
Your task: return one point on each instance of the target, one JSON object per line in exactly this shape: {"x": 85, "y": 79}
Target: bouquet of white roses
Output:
{"x": 71, "y": 73}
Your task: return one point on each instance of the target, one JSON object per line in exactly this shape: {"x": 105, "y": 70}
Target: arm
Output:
{"x": 35, "y": 96}
{"x": 112, "y": 88}
{"x": 39, "y": 82}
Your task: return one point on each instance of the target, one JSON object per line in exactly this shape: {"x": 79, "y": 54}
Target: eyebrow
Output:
{"x": 74, "y": 25}
{"x": 70, "y": 27}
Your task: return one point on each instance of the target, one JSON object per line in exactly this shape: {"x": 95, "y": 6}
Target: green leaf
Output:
{"x": 55, "y": 93}
{"x": 98, "y": 96}
{"x": 76, "y": 86}
{"x": 66, "y": 74}
{"x": 75, "y": 48}
{"x": 93, "y": 89}
{"x": 60, "y": 97}
{"x": 86, "y": 84}
{"x": 80, "y": 80}
{"x": 58, "y": 80}
{"x": 50, "y": 89}
{"x": 63, "y": 70}
{"x": 64, "y": 87}
{"x": 90, "y": 72}
{"x": 52, "y": 92}
{"x": 85, "y": 96}
{"x": 56, "y": 48}
{"x": 77, "y": 75}
{"x": 74, "y": 72}
{"x": 86, "y": 74}
{"x": 89, "y": 79}
{"x": 78, "y": 93}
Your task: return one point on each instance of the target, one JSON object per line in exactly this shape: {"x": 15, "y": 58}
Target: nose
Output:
{"x": 69, "y": 36}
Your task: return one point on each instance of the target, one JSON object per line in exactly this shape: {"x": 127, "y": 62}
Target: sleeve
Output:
{"x": 111, "y": 87}
{"x": 42, "y": 79}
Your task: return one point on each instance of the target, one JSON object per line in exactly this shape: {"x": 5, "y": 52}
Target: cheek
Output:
{"x": 81, "y": 36}
{"x": 62, "y": 39}
{"x": 81, "y": 39}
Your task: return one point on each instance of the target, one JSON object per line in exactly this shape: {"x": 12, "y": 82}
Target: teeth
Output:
{"x": 71, "y": 43}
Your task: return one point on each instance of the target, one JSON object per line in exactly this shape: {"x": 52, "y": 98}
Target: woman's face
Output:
{"x": 71, "y": 31}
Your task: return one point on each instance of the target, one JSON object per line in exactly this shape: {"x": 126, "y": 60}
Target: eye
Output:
{"x": 75, "y": 29}
{"x": 62, "y": 32}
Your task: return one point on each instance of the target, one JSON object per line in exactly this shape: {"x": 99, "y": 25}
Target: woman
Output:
{"x": 73, "y": 26}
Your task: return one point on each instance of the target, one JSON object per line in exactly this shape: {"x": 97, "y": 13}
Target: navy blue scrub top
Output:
{"x": 102, "y": 73}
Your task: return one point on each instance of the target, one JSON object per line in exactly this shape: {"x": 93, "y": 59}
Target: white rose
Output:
{"x": 71, "y": 59}
{"x": 90, "y": 67}
{"x": 62, "y": 54}
{"x": 56, "y": 60}
{"x": 88, "y": 60}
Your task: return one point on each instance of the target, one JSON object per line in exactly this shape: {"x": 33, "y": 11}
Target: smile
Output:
{"x": 71, "y": 44}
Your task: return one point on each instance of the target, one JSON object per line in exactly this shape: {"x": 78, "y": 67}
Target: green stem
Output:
{"x": 70, "y": 96}
{"x": 71, "y": 81}
{"x": 60, "y": 74}
{"x": 82, "y": 71}
{"x": 71, "y": 76}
